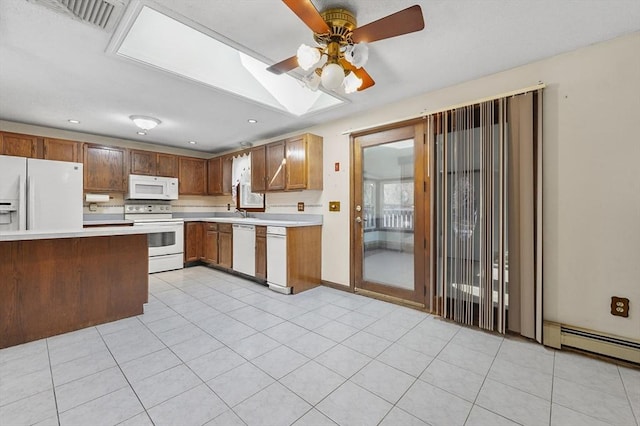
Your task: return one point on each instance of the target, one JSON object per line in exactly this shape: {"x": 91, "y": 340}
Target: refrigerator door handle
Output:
{"x": 31, "y": 204}
{"x": 21, "y": 217}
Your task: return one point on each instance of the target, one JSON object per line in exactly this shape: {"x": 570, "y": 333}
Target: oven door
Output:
{"x": 169, "y": 241}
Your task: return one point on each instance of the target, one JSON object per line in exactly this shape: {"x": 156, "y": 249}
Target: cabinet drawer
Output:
{"x": 211, "y": 226}
{"x": 261, "y": 231}
{"x": 225, "y": 227}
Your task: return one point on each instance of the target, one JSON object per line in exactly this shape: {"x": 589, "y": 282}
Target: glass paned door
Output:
{"x": 388, "y": 218}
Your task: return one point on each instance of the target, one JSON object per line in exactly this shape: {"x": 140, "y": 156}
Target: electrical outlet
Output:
{"x": 300, "y": 207}
{"x": 619, "y": 306}
{"x": 228, "y": 206}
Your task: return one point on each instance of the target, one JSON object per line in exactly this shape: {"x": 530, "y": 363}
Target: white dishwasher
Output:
{"x": 277, "y": 259}
{"x": 244, "y": 249}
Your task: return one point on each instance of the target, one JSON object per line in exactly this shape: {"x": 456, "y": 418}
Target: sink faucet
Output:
{"x": 242, "y": 212}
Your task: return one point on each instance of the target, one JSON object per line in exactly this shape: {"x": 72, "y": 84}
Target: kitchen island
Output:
{"x": 56, "y": 282}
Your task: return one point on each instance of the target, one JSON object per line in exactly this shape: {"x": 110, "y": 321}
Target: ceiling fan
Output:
{"x": 342, "y": 46}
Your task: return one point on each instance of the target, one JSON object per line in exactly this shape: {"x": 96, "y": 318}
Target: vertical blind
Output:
{"x": 487, "y": 210}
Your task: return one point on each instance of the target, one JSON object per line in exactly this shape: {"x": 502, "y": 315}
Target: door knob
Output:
{"x": 358, "y": 208}
{"x": 358, "y": 219}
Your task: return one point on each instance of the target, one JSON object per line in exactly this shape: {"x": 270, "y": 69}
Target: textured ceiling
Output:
{"x": 53, "y": 68}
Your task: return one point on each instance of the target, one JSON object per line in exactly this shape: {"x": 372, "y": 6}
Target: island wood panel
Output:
{"x": 55, "y": 286}
{"x": 304, "y": 259}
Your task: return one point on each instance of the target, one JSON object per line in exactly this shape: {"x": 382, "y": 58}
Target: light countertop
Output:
{"x": 104, "y": 231}
{"x": 257, "y": 221}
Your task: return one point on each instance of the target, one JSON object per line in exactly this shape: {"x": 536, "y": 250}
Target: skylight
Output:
{"x": 163, "y": 42}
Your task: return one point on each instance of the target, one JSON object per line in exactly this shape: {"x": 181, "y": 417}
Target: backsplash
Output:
{"x": 192, "y": 205}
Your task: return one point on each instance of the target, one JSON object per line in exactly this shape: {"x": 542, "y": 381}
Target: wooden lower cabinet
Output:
{"x": 193, "y": 241}
{"x": 225, "y": 245}
{"x": 210, "y": 243}
{"x": 261, "y": 252}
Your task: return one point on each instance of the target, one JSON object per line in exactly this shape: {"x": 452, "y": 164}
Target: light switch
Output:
{"x": 334, "y": 206}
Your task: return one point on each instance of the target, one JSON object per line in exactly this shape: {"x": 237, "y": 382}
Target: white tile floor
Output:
{"x": 214, "y": 349}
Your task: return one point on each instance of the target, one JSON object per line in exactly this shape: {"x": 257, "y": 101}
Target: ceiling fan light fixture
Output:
{"x": 357, "y": 54}
{"x": 307, "y": 56}
{"x": 352, "y": 83}
{"x": 332, "y": 76}
{"x": 143, "y": 122}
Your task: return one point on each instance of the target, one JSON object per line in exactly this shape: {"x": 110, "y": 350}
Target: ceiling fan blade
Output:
{"x": 284, "y": 66}
{"x": 406, "y": 21}
{"x": 367, "y": 81}
{"x": 308, "y": 13}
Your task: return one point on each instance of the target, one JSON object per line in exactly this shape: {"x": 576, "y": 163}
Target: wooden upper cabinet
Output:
{"x": 214, "y": 173}
{"x": 167, "y": 165}
{"x": 19, "y": 145}
{"x": 153, "y": 163}
{"x": 62, "y": 150}
{"x": 105, "y": 168}
{"x": 219, "y": 171}
{"x": 192, "y": 176}
{"x": 290, "y": 165}
{"x": 142, "y": 162}
{"x": 276, "y": 166}
{"x": 258, "y": 169}
{"x": 304, "y": 162}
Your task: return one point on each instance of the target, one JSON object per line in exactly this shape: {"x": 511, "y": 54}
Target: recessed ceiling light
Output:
{"x": 193, "y": 142}
{"x": 142, "y": 133}
{"x": 74, "y": 121}
{"x": 252, "y": 121}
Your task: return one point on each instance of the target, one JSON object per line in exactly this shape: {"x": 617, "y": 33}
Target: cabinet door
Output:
{"x": 258, "y": 169}
{"x": 225, "y": 249}
{"x": 296, "y": 164}
{"x": 143, "y": 162}
{"x": 19, "y": 145}
{"x": 261, "y": 252}
{"x": 227, "y": 167}
{"x": 61, "y": 150}
{"x": 104, "y": 168}
{"x": 192, "y": 241}
{"x": 167, "y": 165}
{"x": 276, "y": 166}
{"x": 211, "y": 247}
{"x": 192, "y": 176}
{"x": 214, "y": 172}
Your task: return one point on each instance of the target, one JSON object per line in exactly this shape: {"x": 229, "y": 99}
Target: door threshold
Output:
{"x": 391, "y": 299}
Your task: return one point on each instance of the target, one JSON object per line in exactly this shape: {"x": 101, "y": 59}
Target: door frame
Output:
{"x": 416, "y": 129}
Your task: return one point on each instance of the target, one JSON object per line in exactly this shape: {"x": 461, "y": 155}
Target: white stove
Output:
{"x": 166, "y": 248}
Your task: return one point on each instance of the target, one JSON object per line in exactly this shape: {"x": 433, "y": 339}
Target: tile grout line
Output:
{"x": 53, "y": 385}
{"x": 626, "y": 391}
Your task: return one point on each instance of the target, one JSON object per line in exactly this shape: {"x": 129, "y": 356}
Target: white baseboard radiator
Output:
{"x": 561, "y": 335}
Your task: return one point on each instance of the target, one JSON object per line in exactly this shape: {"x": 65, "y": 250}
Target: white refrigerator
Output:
{"x": 40, "y": 195}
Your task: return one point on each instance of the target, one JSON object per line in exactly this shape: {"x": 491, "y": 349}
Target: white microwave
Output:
{"x": 152, "y": 188}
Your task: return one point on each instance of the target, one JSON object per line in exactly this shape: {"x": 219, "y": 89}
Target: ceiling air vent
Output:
{"x": 99, "y": 13}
